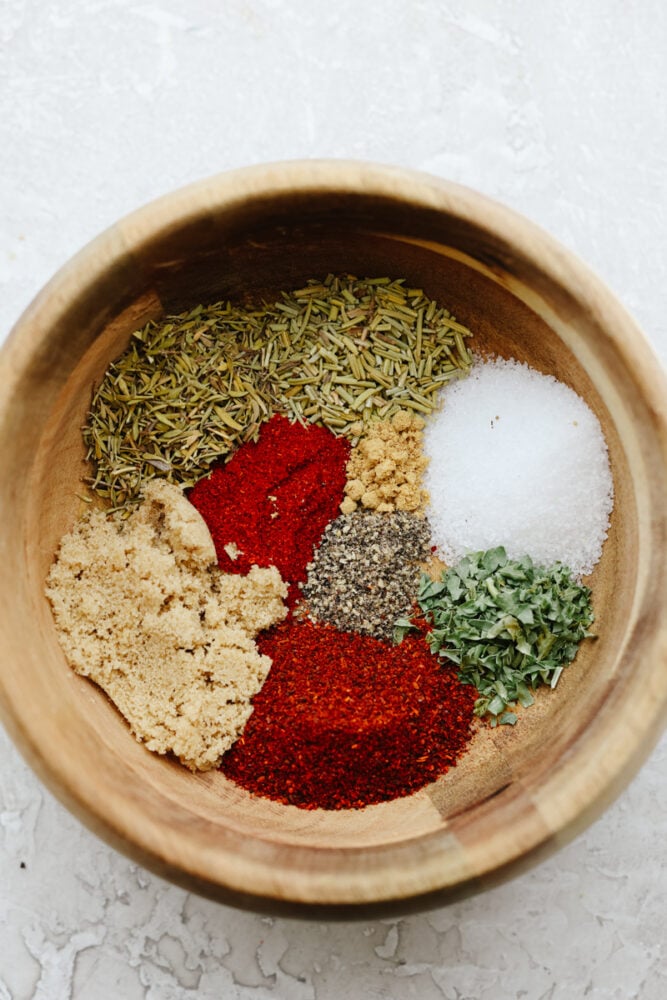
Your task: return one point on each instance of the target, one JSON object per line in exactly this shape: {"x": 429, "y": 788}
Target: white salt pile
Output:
{"x": 518, "y": 459}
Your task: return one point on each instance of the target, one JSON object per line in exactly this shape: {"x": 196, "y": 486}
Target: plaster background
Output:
{"x": 557, "y": 109}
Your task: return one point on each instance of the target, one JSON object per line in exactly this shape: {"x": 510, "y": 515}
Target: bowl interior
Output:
{"x": 504, "y": 799}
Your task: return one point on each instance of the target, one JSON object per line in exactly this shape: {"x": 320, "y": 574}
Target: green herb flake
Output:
{"x": 510, "y": 626}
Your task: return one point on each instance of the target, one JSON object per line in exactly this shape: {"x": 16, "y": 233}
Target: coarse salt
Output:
{"x": 518, "y": 459}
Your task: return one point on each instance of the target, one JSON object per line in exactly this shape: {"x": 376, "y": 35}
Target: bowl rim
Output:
{"x": 582, "y": 790}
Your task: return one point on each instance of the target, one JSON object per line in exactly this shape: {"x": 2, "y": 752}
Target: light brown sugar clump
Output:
{"x": 145, "y": 612}
{"x": 386, "y": 468}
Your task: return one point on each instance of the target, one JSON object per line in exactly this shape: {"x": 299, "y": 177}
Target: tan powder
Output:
{"x": 146, "y": 613}
{"x": 386, "y": 468}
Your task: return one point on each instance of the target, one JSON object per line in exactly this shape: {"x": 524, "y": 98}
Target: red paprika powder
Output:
{"x": 274, "y": 498}
{"x": 344, "y": 720}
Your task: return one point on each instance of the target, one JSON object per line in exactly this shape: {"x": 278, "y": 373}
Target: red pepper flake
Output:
{"x": 345, "y": 720}
{"x": 274, "y": 498}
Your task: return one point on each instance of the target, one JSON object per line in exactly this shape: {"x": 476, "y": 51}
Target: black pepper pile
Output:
{"x": 365, "y": 573}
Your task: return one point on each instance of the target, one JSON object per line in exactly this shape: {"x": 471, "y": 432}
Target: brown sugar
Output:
{"x": 385, "y": 469}
{"x": 146, "y": 614}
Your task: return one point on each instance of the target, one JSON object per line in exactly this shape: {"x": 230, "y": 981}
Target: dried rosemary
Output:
{"x": 181, "y": 396}
{"x": 190, "y": 389}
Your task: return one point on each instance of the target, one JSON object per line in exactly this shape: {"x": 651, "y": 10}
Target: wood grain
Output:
{"x": 518, "y": 793}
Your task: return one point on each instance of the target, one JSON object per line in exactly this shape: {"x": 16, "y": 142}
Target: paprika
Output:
{"x": 270, "y": 503}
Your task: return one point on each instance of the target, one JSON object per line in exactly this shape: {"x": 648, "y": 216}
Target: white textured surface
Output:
{"x": 556, "y": 108}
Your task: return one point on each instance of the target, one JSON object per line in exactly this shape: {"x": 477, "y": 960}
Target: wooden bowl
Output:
{"x": 520, "y": 792}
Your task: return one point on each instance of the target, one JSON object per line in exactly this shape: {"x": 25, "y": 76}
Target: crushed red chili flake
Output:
{"x": 345, "y": 720}
{"x": 269, "y": 504}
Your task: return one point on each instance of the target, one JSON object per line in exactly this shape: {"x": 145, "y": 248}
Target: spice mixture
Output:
{"x": 386, "y": 468}
{"x": 269, "y": 505}
{"x": 365, "y": 572}
{"x": 312, "y": 438}
{"x": 343, "y": 720}
{"x": 146, "y": 613}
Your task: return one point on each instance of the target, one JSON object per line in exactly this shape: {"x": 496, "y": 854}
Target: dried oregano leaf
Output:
{"x": 509, "y": 625}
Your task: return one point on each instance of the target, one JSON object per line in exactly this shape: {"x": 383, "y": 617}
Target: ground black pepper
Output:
{"x": 365, "y": 573}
